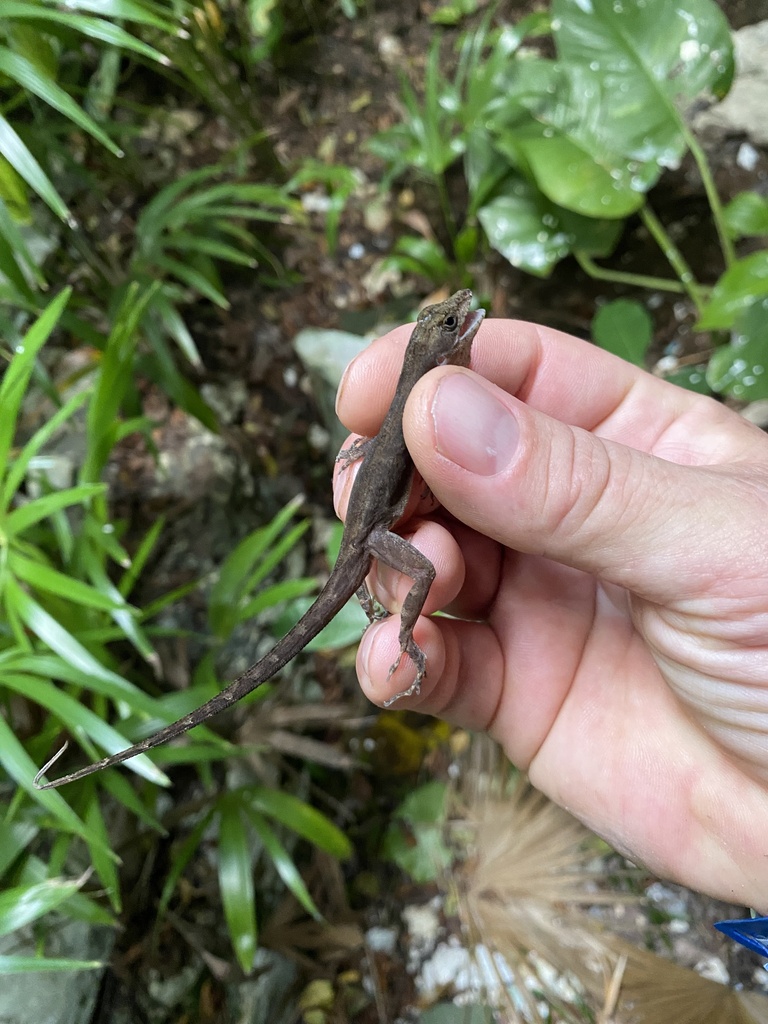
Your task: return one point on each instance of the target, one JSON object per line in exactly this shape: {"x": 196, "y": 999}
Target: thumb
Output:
{"x": 540, "y": 486}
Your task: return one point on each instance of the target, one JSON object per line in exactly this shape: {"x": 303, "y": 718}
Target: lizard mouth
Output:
{"x": 471, "y": 324}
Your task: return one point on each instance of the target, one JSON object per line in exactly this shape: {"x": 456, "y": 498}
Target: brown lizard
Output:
{"x": 443, "y": 334}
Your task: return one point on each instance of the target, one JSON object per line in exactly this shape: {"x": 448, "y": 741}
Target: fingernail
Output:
{"x": 472, "y": 428}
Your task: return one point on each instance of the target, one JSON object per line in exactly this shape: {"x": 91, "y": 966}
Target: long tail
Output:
{"x": 334, "y": 595}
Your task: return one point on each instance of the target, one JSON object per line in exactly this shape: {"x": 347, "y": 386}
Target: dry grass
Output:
{"x": 522, "y": 892}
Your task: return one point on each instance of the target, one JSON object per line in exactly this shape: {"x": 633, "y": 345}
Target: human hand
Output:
{"x": 603, "y": 544}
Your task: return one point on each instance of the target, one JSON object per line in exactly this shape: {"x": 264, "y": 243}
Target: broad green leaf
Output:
{"x": 743, "y": 282}
{"x": 283, "y": 863}
{"x": 625, "y": 328}
{"x": 39, "y": 964}
{"x": 692, "y": 378}
{"x": 740, "y": 369}
{"x": 523, "y": 227}
{"x": 16, "y": 377}
{"x": 306, "y": 821}
{"x": 747, "y": 215}
{"x": 425, "y": 805}
{"x": 27, "y": 75}
{"x": 567, "y": 172}
{"x": 79, "y": 907}
{"x": 236, "y": 882}
{"x": 23, "y": 904}
{"x": 26, "y": 166}
{"x": 653, "y": 58}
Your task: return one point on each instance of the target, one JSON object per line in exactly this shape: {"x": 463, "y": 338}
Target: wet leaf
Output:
{"x": 742, "y": 283}
{"x": 739, "y": 368}
{"x": 625, "y": 328}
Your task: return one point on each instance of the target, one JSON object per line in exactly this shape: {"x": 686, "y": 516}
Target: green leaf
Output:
{"x": 93, "y": 673}
{"x": 104, "y": 866}
{"x": 127, "y": 10}
{"x": 625, "y": 328}
{"x": 742, "y": 283}
{"x": 416, "y": 255}
{"x": 26, "y": 903}
{"x": 283, "y": 863}
{"x": 739, "y": 368}
{"x": 18, "y": 245}
{"x": 27, "y": 75}
{"x": 79, "y": 719}
{"x": 43, "y": 577}
{"x": 141, "y": 556}
{"x": 17, "y": 375}
{"x": 746, "y": 215}
{"x": 692, "y": 378}
{"x": 93, "y": 28}
{"x": 652, "y": 59}
{"x": 524, "y": 227}
{"x": 344, "y": 629}
{"x": 18, "y": 466}
{"x": 250, "y": 562}
{"x": 21, "y": 160}
{"x": 425, "y": 805}
{"x": 306, "y": 821}
{"x": 236, "y": 882}
{"x": 24, "y": 516}
{"x": 115, "y": 376}
{"x": 181, "y": 857}
{"x": 566, "y": 171}
{"x": 15, "y": 836}
{"x": 39, "y": 964}
{"x": 20, "y": 767}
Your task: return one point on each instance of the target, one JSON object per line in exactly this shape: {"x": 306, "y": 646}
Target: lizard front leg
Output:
{"x": 401, "y": 555}
{"x": 370, "y": 605}
{"x": 357, "y": 450}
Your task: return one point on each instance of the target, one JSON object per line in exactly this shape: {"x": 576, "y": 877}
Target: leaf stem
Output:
{"x": 726, "y": 243}
{"x": 594, "y": 270}
{"x": 676, "y": 259}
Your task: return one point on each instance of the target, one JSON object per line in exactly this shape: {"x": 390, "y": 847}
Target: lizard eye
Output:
{"x": 450, "y": 322}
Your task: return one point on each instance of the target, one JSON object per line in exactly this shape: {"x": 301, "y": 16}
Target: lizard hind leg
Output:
{"x": 401, "y": 555}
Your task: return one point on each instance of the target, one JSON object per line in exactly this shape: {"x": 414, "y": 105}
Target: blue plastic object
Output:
{"x": 751, "y": 932}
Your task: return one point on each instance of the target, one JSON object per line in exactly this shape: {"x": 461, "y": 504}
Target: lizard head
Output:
{"x": 446, "y": 331}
